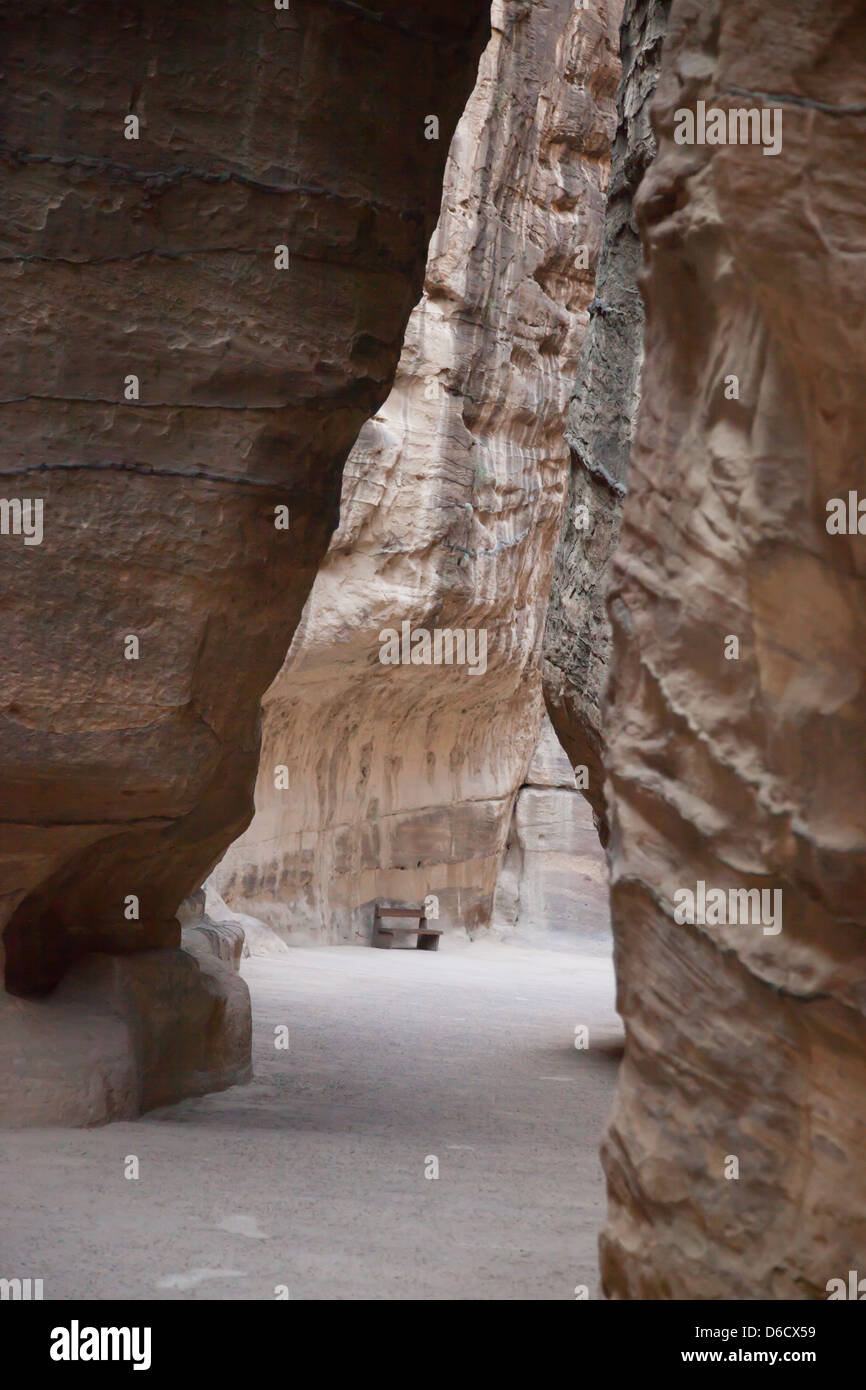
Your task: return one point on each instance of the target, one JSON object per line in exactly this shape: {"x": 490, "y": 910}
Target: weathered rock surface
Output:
{"x": 553, "y": 887}
{"x": 745, "y": 772}
{"x": 154, "y": 258}
{"x": 122, "y": 1034}
{"x": 219, "y": 935}
{"x": 400, "y": 780}
{"x": 601, "y": 422}
{"x": 258, "y": 939}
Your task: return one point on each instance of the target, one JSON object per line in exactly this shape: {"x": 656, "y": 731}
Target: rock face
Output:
{"x": 218, "y": 936}
{"x": 394, "y": 781}
{"x": 601, "y": 422}
{"x": 552, "y": 887}
{"x": 122, "y": 1034}
{"x": 167, "y": 387}
{"x": 737, "y": 720}
{"x": 258, "y": 939}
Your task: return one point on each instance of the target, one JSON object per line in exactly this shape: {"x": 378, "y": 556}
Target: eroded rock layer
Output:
{"x": 166, "y": 386}
{"x": 737, "y": 722}
{"x": 601, "y": 421}
{"x": 394, "y": 781}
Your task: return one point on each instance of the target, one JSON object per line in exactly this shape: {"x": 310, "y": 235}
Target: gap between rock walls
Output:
{"x": 431, "y": 486}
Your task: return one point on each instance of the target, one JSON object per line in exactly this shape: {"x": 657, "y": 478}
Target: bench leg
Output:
{"x": 428, "y": 942}
{"x": 382, "y": 939}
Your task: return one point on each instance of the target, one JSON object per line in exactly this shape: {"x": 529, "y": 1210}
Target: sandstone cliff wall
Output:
{"x": 165, "y": 388}
{"x": 400, "y": 780}
{"x": 552, "y": 888}
{"x": 601, "y": 422}
{"x": 736, "y": 722}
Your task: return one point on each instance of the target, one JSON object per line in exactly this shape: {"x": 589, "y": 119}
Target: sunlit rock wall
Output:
{"x": 399, "y": 780}
{"x": 552, "y": 888}
{"x": 736, "y": 726}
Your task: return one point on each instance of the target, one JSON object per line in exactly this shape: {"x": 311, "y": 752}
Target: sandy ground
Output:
{"x": 313, "y": 1176}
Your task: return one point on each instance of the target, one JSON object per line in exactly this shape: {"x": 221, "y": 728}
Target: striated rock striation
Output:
{"x": 215, "y": 227}
{"x": 395, "y": 781}
{"x": 553, "y": 887}
{"x": 737, "y": 719}
{"x": 601, "y": 422}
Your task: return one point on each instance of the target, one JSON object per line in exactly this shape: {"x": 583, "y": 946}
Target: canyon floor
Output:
{"x": 312, "y": 1177}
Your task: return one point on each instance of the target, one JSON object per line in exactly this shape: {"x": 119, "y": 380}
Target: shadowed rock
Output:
{"x": 154, "y": 258}
{"x": 601, "y": 422}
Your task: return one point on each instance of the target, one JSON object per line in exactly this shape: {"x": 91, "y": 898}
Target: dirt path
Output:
{"x": 313, "y": 1176}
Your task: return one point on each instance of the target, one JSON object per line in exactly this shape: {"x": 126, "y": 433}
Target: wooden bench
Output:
{"x": 383, "y": 937}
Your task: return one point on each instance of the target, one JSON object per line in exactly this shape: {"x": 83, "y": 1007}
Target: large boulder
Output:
{"x": 168, "y": 387}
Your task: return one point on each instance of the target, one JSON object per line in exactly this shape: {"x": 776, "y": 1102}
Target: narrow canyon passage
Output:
{"x": 435, "y": 491}
{"x": 313, "y": 1176}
